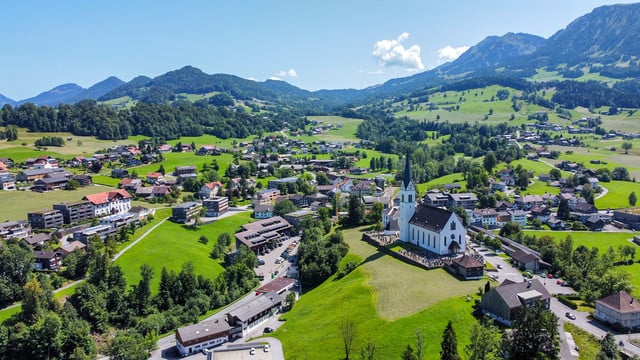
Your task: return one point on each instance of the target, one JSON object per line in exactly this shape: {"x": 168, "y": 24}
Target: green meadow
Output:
{"x": 171, "y": 245}
{"x": 174, "y": 159}
{"x": 387, "y": 299}
{"x": 600, "y": 240}
{"x": 617, "y": 194}
{"x": 346, "y": 133}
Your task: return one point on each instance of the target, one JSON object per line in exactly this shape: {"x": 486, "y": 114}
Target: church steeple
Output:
{"x": 407, "y": 170}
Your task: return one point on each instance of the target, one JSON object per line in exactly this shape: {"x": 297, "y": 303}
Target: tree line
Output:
{"x": 167, "y": 121}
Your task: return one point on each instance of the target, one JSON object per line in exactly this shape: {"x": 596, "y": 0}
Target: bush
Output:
{"x": 565, "y": 300}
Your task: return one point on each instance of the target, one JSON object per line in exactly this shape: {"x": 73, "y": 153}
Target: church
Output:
{"x": 437, "y": 230}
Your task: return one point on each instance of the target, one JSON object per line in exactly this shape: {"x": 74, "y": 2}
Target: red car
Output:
{"x": 549, "y": 276}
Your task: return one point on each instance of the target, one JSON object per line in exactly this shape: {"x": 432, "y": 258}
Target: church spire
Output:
{"x": 407, "y": 170}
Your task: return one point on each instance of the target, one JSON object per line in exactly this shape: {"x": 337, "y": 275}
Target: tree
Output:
{"x": 408, "y": 353}
{"x": 11, "y": 132}
{"x": 161, "y": 169}
{"x": 620, "y": 173}
{"x": 449, "y": 345}
{"x": 627, "y": 146}
{"x": 483, "y": 342}
{"x": 356, "y": 210}
{"x": 420, "y": 345}
{"x": 32, "y": 307}
{"x": 534, "y": 334}
{"x": 490, "y": 161}
{"x": 128, "y": 345}
{"x": 564, "y": 212}
{"x": 284, "y": 207}
{"x": 608, "y": 349}
{"x": 633, "y": 199}
{"x": 368, "y": 351}
{"x": 555, "y": 174}
{"x": 72, "y": 184}
{"x": 348, "y": 332}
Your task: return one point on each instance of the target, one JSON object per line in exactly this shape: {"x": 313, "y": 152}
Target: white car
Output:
{"x": 252, "y": 351}
{"x": 266, "y": 348}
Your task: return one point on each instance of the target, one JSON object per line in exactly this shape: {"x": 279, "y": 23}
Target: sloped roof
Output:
{"x": 514, "y": 293}
{"x": 468, "y": 262}
{"x": 430, "y": 217}
{"x": 103, "y": 197}
{"x": 256, "y": 306}
{"x": 621, "y": 302}
{"x": 202, "y": 331}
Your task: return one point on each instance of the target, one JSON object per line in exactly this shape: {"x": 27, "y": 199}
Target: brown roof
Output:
{"x": 278, "y": 285}
{"x": 103, "y": 197}
{"x": 468, "y": 262}
{"x": 621, "y": 302}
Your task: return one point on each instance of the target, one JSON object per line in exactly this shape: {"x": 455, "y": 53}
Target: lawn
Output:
{"x": 601, "y": 240}
{"x": 171, "y": 245}
{"x": 438, "y": 182}
{"x": 617, "y": 195}
{"x": 26, "y": 201}
{"x": 375, "y": 297}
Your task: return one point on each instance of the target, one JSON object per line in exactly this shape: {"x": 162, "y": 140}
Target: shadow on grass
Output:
{"x": 372, "y": 257}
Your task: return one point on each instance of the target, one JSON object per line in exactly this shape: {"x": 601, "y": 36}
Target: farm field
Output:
{"x": 600, "y": 240}
{"x": 346, "y": 133}
{"x": 180, "y": 159}
{"x": 613, "y": 159}
{"x": 22, "y": 202}
{"x": 374, "y": 297}
{"x": 171, "y": 245}
{"x": 617, "y": 195}
{"x": 447, "y": 179}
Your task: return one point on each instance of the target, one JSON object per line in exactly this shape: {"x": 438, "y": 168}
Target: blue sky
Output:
{"x": 313, "y": 45}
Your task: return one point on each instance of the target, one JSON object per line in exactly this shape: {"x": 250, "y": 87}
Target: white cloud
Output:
{"x": 449, "y": 53}
{"x": 291, "y": 73}
{"x": 393, "y": 53}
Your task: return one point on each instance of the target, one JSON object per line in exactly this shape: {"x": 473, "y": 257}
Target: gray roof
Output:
{"x": 430, "y": 217}
{"x": 514, "y": 293}
{"x": 407, "y": 170}
{"x": 256, "y": 306}
{"x": 201, "y": 331}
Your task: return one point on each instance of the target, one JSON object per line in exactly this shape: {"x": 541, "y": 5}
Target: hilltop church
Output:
{"x": 437, "y": 230}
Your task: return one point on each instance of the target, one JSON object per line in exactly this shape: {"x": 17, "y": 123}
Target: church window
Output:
{"x": 402, "y": 198}
{"x": 445, "y": 242}
{"x": 410, "y": 198}
{"x": 453, "y": 225}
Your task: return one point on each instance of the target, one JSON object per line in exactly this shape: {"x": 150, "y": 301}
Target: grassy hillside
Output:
{"x": 387, "y": 299}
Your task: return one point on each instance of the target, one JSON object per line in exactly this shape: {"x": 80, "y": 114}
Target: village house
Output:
{"x": 101, "y": 231}
{"x": 154, "y": 178}
{"x": 619, "y": 308}
{"x": 46, "y": 260}
{"x": 118, "y": 221}
{"x": 262, "y": 211}
{"x": 487, "y": 218}
{"x": 501, "y": 303}
{"x": 265, "y": 196}
{"x": 525, "y": 260}
{"x": 211, "y": 189}
{"x": 467, "y": 267}
{"x": 8, "y": 181}
{"x": 109, "y": 202}
{"x": 526, "y": 202}
{"x": 38, "y": 240}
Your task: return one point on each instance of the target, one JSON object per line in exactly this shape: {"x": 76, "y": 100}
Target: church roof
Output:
{"x": 430, "y": 217}
{"x": 407, "y": 171}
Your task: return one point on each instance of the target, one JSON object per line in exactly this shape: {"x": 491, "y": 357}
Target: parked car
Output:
{"x": 266, "y": 348}
{"x": 570, "y": 315}
{"x": 252, "y": 351}
{"x": 499, "y": 266}
{"x": 268, "y": 330}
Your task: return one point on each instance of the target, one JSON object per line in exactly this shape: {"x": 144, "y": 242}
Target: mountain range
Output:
{"x": 604, "y": 41}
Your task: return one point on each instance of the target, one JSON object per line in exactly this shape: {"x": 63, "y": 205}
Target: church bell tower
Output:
{"x": 407, "y": 200}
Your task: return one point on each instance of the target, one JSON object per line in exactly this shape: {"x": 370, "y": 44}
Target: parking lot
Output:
{"x": 277, "y": 265}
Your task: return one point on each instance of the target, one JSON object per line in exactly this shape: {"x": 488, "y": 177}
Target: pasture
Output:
{"x": 181, "y": 159}
{"x": 617, "y": 194}
{"x": 346, "y": 133}
{"x": 171, "y": 245}
{"x": 600, "y": 240}
{"x": 384, "y": 294}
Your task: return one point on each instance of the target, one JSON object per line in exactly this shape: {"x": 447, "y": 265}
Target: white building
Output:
{"x": 110, "y": 202}
{"x": 437, "y": 230}
{"x": 193, "y": 338}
